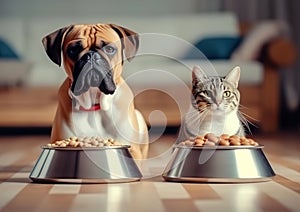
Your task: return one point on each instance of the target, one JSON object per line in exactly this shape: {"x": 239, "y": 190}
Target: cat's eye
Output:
{"x": 227, "y": 94}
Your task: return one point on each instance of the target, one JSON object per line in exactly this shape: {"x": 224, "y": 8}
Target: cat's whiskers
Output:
{"x": 241, "y": 108}
{"x": 193, "y": 117}
{"x": 203, "y": 108}
{"x": 245, "y": 119}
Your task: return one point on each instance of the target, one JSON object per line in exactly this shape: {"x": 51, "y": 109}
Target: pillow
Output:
{"x": 257, "y": 37}
{"x": 6, "y": 52}
{"x": 214, "y": 48}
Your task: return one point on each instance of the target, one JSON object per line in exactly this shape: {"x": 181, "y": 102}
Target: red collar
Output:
{"x": 94, "y": 107}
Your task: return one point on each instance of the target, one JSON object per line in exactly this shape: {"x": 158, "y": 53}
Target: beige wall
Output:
{"x": 36, "y": 8}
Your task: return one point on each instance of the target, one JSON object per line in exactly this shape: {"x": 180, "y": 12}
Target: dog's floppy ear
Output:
{"x": 129, "y": 39}
{"x": 53, "y": 44}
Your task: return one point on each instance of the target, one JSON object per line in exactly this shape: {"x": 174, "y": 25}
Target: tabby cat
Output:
{"x": 214, "y": 106}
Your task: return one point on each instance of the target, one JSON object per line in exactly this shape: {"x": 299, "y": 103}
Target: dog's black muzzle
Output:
{"x": 92, "y": 70}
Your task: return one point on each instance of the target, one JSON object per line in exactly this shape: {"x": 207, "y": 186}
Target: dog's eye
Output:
{"x": 110, "y": 50}
{"x": 73, "y": 50}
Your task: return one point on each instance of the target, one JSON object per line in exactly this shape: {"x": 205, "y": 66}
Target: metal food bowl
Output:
{"x": 218, "y": 164}
{"x": 85, "y": 165}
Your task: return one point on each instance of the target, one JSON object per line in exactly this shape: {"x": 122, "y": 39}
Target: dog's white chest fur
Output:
{"x": 89, "y": 124}
{"x": 110, "y": 121}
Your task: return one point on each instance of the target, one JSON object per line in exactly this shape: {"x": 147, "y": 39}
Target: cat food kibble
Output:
{"x": 210, "y": 139}
{"x": 85, "y": 142}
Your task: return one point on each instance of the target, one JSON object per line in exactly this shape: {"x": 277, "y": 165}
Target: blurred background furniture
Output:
{"x": 160, "y": 75}
{"x": 27, "y": 106}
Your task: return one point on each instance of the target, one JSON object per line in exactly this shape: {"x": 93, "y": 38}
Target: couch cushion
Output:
{"x": 13, "y": 32}
{"x": 220, "y": 47}
{"x": 6, "y": 51}
{"x": 257, "y": 37}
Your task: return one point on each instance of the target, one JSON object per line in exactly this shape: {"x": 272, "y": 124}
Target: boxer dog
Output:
{"x": 94, "y": 100}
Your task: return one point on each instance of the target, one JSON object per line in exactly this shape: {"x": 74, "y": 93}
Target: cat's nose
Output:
{"x": 218, "y": 102}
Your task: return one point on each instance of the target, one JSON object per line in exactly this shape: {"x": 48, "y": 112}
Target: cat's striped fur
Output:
{"x": 214, "y": 106}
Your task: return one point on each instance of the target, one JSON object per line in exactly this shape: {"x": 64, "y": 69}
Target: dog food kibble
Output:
{"x": 210, "y": 139}
{"x": 85, "y": 142}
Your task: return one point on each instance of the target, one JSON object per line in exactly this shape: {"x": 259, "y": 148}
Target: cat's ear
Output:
{"x": 198, "y": 75}
{"x": 234, "y": 76}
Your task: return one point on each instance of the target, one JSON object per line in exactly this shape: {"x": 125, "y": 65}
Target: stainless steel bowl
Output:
{"x": 218, "y": 164}
{"x": 86, "y": 165}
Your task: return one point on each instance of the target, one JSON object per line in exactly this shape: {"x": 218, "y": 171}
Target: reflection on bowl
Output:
{"x": 86, "y": 165}
{"x": 218, "y": 164}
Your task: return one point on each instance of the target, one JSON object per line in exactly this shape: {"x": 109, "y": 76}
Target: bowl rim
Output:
{"x": 125, "y": 146}
{"x": 217, "y": 179}
{"x": 218, "y": 147}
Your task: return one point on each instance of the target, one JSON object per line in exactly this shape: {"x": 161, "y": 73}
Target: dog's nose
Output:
{"x": 94, "y": 56}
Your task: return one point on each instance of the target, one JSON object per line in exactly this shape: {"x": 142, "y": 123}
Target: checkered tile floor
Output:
{"x": 17, "y": 192}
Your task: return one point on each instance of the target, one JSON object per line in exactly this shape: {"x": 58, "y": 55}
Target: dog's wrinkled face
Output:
{"x": 93, "y": 54}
